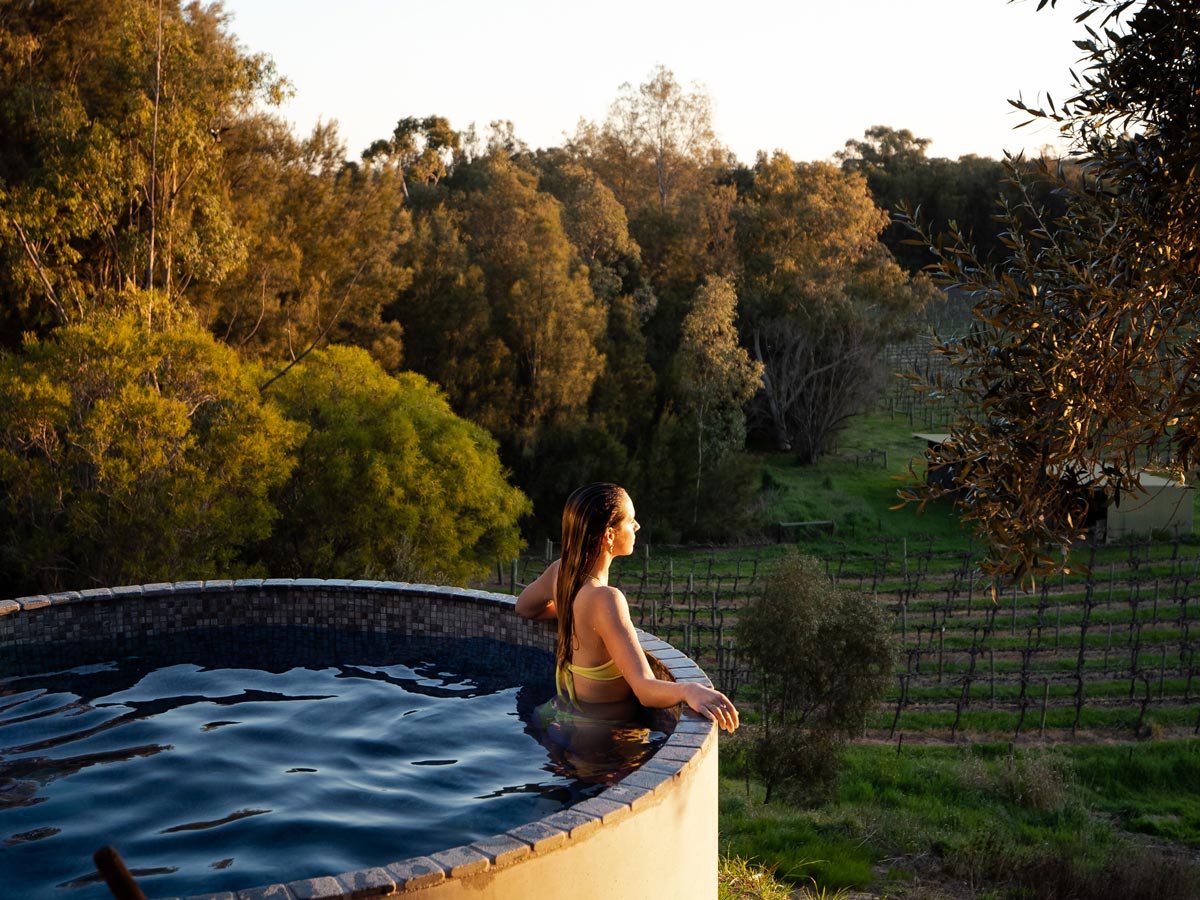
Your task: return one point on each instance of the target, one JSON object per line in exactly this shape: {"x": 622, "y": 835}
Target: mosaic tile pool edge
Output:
{"x": 31, "y": 626}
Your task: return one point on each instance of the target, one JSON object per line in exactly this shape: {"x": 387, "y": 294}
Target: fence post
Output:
{"x": 1162, "y": 673}
{"x": 992, "y": 674}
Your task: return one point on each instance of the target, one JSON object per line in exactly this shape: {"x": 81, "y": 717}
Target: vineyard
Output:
{"x": 1104, "y": 651}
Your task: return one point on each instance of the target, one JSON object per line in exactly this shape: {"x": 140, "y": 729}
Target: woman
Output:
{"x": 601, "y": 669}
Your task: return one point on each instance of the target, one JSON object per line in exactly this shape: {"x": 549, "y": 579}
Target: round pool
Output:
{"x": 321, "y": 684}
{"x": 346, "y": 750}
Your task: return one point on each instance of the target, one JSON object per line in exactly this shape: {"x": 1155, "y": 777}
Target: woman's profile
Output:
{"x": 600, "y": 668}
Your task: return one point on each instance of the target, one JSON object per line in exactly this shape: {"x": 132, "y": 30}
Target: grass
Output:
{"x": 1153, "y": 789}
{"x": 740, "y": 879}
{"x": 995, "y": 722}
{"x": 856, "y": 492}
{"x": 1062, "y": 821}
{"x": 974, "y": 818}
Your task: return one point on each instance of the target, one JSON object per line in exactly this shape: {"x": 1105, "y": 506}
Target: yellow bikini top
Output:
{"x": 564, "y": 677}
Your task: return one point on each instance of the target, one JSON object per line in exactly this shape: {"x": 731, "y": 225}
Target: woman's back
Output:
{"x": 596, "y": 675}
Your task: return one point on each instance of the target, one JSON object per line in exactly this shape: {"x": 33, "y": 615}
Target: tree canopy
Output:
{"x": 1081, "y": 367}
{"x": 112, "y": 164}
{"x": 562, "y": 299}
{"x": 389, "y": 483}
{"x": 130, "y": 454}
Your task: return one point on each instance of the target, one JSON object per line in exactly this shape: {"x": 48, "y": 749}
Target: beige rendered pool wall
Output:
{"x": 653, "y": 834}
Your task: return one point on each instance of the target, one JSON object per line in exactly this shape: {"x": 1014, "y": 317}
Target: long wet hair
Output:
{"x": 588, "y": 512}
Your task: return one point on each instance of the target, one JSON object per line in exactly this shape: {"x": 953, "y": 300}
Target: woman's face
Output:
{"x": 625, "y": 529}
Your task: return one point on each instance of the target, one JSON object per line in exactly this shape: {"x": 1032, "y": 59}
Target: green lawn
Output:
{"x": 857, "y": 491}
{"x": 1083, "y": 821}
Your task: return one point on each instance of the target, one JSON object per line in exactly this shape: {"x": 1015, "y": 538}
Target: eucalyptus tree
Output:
{"x": 446, "y": 318}
{"x": 716, "y": 378}
{"x": 658, "y": 152}
{"x": 820, "y": 295}
{"x": 323, "y": 242}
{"x": 423, "y": 149}
{"x": 496, "y": 281}
{"x": 543, "y": 308}
{"x": 114, "y": 115}
{"x": 664, "y": 128}
{"x": 964, "y": 192}
{"x": 595, "y": 221}
{"x": 623, "y": 398}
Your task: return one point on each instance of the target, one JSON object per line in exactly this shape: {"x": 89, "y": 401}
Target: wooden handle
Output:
{"x": 112, "y": 868}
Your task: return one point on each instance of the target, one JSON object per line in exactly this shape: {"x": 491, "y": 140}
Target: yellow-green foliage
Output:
{"x": 390, "y": 483}
{"x": 740, "y": 879}
{"x": 132, "y": 455}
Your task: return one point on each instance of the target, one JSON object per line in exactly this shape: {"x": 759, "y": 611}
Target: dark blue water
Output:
{"x": 215, "y": 774}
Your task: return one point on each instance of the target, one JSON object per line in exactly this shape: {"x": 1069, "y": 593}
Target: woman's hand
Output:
{"x": 713, "y": 705}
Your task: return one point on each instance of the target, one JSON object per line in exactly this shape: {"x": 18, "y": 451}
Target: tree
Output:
{"x": 130, "y": 455}
{"x": 323, "y": 241}
{"x": 1081, "y": 364}
{"x": 623, "y": 399}
{"x": 883, "y": 150}
{"x": 822, "y": 657}
{"x": 658, "y": 154}
{"x": 447, "y": 319}
{"x": 111, "y": 169}
{"x": 899, "y": 175}
{"x": 820, "y": 296}
{"x": 962, "y": 194}
{"x": 389, "y": 482}
{"x": 669, "y": 128}
{"x": 594, "y": 220}
{"x": 716, "y": 376}
{"x": 541, "y": 305}
{"x": 423, "y": 149}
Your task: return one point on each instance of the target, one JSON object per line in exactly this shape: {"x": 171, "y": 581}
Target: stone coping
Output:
{"x": 29, "y": 622}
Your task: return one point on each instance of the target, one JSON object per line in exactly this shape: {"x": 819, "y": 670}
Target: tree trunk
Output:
{"x": 782, "y": 438}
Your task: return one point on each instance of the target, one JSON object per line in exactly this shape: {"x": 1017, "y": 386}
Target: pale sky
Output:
{"x": 802, "y": 76}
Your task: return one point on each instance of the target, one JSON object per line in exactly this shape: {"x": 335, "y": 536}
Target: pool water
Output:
{"x": 289, "y": 755}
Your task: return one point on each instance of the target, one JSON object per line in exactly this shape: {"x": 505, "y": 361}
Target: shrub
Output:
{"x": 822, "y": 657}
{"x": 132, "y": 454}
{"x": 390, "y": 483}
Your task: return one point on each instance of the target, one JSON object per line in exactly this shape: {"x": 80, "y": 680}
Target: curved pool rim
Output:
{"x": 654, "y": 831}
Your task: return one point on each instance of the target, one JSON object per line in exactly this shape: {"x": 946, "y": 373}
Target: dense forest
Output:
{"x": 232, "y": 349}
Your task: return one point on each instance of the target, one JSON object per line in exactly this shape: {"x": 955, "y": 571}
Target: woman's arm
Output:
{"x": 616, "y": 629}
{"x": 536, "y": 600}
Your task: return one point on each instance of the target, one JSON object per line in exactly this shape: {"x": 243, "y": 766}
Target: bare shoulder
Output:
{"x": 602, "y": 594}
{"x": 604, "y": 600}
